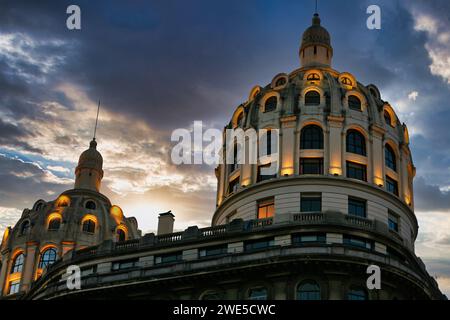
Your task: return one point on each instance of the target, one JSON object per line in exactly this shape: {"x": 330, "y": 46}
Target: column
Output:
{"x": 335, "y": 149}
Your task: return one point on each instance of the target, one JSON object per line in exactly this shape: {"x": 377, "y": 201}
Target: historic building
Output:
{"x": 342, "y": 200}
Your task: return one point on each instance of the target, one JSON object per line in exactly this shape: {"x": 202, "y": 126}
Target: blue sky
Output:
{"x": 158, "y": 66}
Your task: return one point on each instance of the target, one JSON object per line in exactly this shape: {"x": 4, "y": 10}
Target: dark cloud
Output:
{"x": 24, "y": 183}
{"x": 430, "y": 197}
{"x": 14, "y": 136}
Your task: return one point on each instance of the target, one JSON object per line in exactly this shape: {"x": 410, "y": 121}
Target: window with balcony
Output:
{"x": 17, "y": 264}
{"x": 311, "y": 202}
{"x": 48, "y": 257}
{"x": 356, "y": 171}
{"x": 234, "y": 185}
{"x": 357, "y": 207}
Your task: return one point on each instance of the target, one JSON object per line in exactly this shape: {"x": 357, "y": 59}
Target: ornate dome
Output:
{"x": 315, "y": 34}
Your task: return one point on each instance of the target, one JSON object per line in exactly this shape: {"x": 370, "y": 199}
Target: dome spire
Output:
{"x": 96, "y": 121}
{"x": 315, "y": 49}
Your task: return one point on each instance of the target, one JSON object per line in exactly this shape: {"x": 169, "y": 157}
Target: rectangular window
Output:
{"x": 311, "y": 166}
{"x": 391, "y": 186}
{"x": 234, "y": 185}
{"x": 358, "y": 242}
{"x": 14, "y": 286}
{"x": 357, "y": 207}
{"x": 263, "y": 177}
{"x": 305, "y": 238}
{"x": 213, "y": 251}
{"x": 393, "y": 221}
{"x": 259, "y": 244}
{"x": 125, "y": 264}
{"x": 311, "y": 202}
{"x": 356, "y": 171}
{"x": 169, "y": 258}
{"x": 266, "y": 208}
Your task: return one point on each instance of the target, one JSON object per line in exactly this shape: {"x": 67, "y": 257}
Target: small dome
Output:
{"x": 316, "y": 34}
{"x": 91, "y": 158}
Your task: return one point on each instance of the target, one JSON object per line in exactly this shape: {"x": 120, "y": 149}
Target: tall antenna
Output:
{"x": 96, "y": 119}
{"x": 316, "y": 7}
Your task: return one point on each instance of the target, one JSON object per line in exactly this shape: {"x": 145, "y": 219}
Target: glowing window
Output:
{"x": 266, "y": 208}
{"x": 313, "y": 77}
{"x": 347, "y": 81}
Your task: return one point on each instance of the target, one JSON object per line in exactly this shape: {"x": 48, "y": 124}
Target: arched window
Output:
{"x": 356, "y": 293}
{"x": 54, "y": 224}
{"x": 90, "y": 205}
{"x": 311, "y": 137}
{"x": 120, "y": 235}
{"x": 89, "y": 226}
{"x": 47, "y": 258}
{"x": 354, "y": 103}
{"x": 25, "y": 227}
{"x": 313, "y": 77}
{"x": 17, "y": 264}
{"x": 280, "y": 82}
{"x": 257, "y": 294}
{"x": 387, "y": 118}
{"x": 312, "y": 98}
{"x": 356, "y": 143}
{"x": 389, "y": 158}
{"x": 308, "y": 290}
{"x": 271, "y": 104}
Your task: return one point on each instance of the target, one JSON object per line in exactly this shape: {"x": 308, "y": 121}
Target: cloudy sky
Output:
{"x": 160, "y": 65}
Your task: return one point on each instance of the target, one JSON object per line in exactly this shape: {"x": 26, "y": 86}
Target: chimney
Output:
{"x": 165, "y": 222}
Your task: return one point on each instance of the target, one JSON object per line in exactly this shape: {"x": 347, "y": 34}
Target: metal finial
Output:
{"x": 96, "y": 119}
{"x": 316, "y": 7}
